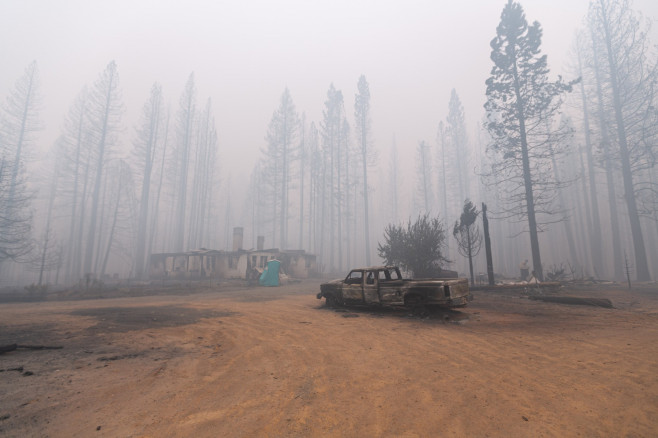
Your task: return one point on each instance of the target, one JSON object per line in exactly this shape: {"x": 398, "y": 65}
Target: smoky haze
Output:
{"x": 243, "y": 56}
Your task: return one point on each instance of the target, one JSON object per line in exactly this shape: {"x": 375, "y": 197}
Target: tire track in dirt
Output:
{"x": 344, "y": 375}
{"x": 283, "y": 365}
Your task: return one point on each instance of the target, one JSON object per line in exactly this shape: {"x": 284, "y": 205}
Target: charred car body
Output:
{"x": 383, "y": 285}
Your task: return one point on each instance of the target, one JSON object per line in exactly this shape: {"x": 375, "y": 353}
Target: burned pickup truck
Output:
{"x": 384, "y": 286}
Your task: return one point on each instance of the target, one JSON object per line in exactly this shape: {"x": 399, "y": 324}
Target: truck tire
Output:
{"x": 332, "y": 302}
{"x": 416, "y": 304}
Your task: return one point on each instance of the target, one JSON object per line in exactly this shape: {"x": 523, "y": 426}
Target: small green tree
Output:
{"x": 467, "y": 234}
{"x": 415, "y": 247}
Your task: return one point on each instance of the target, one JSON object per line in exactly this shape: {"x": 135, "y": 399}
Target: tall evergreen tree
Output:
{"x": 185, "y": 122}
{"x": 19, "y": 121}
{"x": 632, "y": 77}
{"x": 280, "y": 154}
{"x": 75, "y": 173}
{"x": 368, "y": 156}
{"x": 48, "y": 255}
{"x": 395, "y": 181}
{"x": 594, "y": 235}
{"x": 331, "y": 133}
{"x": 117, "y": 234}
{"x": 156, "y": 224}
{"x": 16, "y": 218}
{"x": 302, "y": 150}
{"x": 520, "y": 99}
{"x": 424, "y": 175}
{"x": 606, "y": 158}
{"x": 456, "y": 131}
{"x": 104, "y": 118}
{"x": 442, "y": 141}
{"x": 145, "y": 151}
{"x": 203, "y": 178}
{"x": 315, "y": 170}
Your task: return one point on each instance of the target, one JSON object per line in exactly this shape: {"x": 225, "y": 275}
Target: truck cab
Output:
{"x": 363, "y": 286}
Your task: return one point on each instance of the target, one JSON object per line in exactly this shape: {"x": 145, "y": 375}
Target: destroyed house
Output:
{"x": 203, "y": 263}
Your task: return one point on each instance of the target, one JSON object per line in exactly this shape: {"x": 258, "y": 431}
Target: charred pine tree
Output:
{"x": 520, "y": 99}
{"x": 105, "y": 114}
{"x": 456, "y": 132}
{"x": 302, "y": 151}
{"x": 395, "y": 182}
{"x": 467, "y": 234}
{"x": 592, "y": 207}
{"x": 19, "y": 121}
{"x": 74, "y": 174}
{"x": 145, "y": 150}
{"x": 279, "y": 156}
{"x": 367, "y": 152}
{"x": 424, "y": 178}
{"x": 330, "y": 129}
{"x": 631, "y": 75}
{"x": 183, "y": 153}
{"x": 155, "y": 224}
{"x": 49, "y": 254}
{"x": 203, "y": 179}
{"x": 315, "y": 171}
{"x": 606, "y": 159}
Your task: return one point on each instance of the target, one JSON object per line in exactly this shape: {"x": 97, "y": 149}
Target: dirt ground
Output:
{"x": 275, "y": 362}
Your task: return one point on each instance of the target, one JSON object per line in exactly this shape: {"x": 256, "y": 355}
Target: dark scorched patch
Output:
{"x": 124, "y": 319}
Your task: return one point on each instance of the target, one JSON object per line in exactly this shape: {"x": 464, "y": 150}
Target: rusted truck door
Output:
{"x": 391, "y": 287}
{"x": 353, "y": 287}
{"x": 371, "y": 288}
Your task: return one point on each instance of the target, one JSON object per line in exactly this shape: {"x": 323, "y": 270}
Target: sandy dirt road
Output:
{"x": 274, "y": 362}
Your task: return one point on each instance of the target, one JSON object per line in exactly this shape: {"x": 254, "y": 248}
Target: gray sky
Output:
{"x": 244, "y": 53}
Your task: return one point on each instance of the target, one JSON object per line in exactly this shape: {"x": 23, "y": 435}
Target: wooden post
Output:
{"x": 487, "y": 245}
{"x": 628, "y": 271}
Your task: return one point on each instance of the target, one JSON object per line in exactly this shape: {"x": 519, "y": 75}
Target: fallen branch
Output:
{"x": 502, "y": 287}
{"x": 599, "y": 302}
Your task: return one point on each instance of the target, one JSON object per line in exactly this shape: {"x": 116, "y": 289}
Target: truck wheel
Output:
{"x": 417, "y": 306}
{"x": 331, "y": 302}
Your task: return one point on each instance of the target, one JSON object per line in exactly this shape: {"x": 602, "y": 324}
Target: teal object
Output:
{"x": 270, "y": 276}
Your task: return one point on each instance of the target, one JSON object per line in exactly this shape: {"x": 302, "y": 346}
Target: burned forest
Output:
{"x": 329, "y": 218}
{"x": 99, "y": 176}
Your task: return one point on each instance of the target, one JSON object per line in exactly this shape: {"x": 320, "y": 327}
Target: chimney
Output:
{"x": 261, "y": 243}
{"x": 237, "y": 238}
